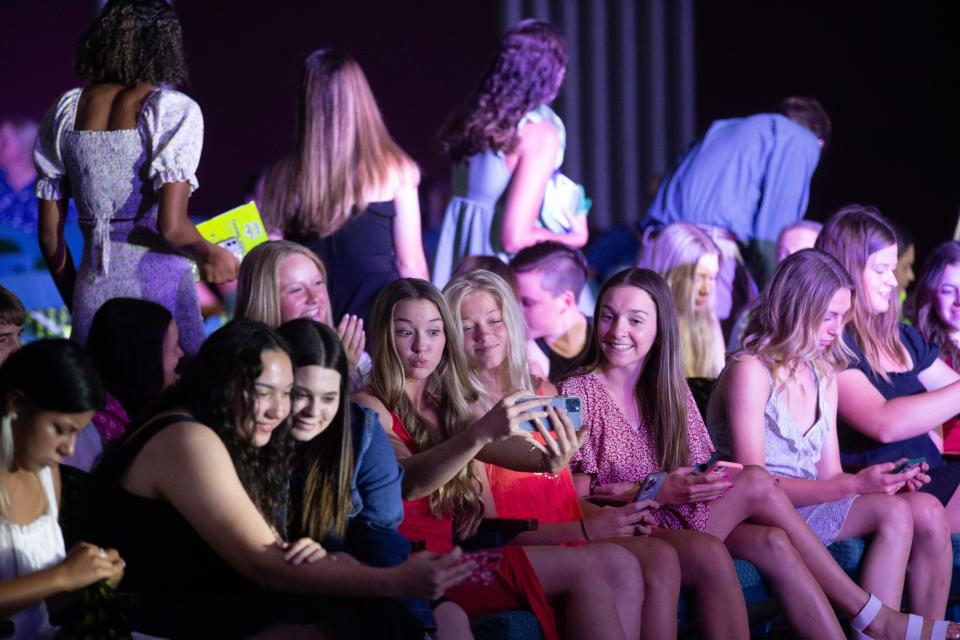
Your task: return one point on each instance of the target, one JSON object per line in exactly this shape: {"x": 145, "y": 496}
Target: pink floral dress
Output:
{"x": 615, "y": 451}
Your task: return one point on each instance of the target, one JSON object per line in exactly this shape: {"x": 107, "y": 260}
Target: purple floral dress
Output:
{"x": 114, "y": 178}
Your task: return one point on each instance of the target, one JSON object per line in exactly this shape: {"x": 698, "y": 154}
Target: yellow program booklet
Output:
{"x": 238, "y": 230}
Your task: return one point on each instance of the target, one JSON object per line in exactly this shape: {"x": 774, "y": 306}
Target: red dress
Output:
{"x": 515, "y": 584}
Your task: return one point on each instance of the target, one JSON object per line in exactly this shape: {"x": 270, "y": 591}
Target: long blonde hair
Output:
{"x": 675, "y": 255}
{"x": 783, "y": 328}
{"x": 852, "y": 235}
{"x": 515, "y": 368}
{"x": 449, "y": 386}
{"x": 258, "y": 290}
{"x": 343, "y": 151}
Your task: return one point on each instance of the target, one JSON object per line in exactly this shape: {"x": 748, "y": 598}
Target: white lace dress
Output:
{"x": 25, "y": 549}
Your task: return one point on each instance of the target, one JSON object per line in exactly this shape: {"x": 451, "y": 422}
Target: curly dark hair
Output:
{"x": 131, "y": 42}
{"x": 217, "y": 388}
{"x": 526, "y": 73}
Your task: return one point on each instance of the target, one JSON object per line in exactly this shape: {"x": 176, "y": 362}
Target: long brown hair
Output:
{"x": 525, "y": 73}
{"x": 449, "y": 387}
{"x": 783, "y": 328}
{"x": 328, "y": 487}
{"x": 852, "y": 235}
{"x": 661, "y": 391}
{"x": 343, "y": 151}
{"x": 920, "y": 306}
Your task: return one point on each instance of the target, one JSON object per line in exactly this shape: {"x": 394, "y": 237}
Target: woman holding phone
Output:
{"x": 778, "y": 397}
{"x": 427, "y": 403}
{"x": 641, "y": 417}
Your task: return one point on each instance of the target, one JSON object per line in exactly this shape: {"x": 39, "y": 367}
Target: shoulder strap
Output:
{"x": 116, "y": 460}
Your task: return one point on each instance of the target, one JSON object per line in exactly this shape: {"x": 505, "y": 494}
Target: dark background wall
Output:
{"x": 886, "y": 74}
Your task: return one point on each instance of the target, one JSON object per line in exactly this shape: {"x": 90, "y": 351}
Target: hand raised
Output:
{"x": 558, "y": 451}
{"x": 354, "y": 339}
{"x": 501, "y": 421}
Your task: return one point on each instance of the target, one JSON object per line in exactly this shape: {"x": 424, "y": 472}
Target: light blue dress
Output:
{"x": 793, "y": 454}
{"x": 473, "y": 220}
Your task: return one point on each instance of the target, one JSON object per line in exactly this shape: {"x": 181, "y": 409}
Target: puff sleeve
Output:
{"x": 173, "y": 129}
{"x": 52, "y": 180}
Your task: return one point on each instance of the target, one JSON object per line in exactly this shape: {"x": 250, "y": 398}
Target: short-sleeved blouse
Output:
{"x": 615, "y": 451}
{"x": 859, "y": 449}
{"x": 28, "y": 548}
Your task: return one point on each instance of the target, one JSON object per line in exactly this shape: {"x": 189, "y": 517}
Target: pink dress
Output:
{"x": 615, "y": 451}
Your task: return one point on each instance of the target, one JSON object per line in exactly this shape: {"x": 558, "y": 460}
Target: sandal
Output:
{"x": 870, "y": 610}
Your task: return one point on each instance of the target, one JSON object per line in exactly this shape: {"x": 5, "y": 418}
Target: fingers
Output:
{"x": 683, "y": 471}
{"x": 647, "y": 505}
{"x": 304, "y": 550}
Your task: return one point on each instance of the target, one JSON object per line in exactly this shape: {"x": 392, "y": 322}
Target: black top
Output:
{"x": 560, "y": 365}
{"x": 190, "y": 591}
{"x": 858, "y": 449}
{"x": 162, "y": 550}
{"x": 360, "y": 258}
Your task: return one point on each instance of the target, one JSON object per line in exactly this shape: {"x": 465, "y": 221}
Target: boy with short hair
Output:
{"x": 550, "y": 278}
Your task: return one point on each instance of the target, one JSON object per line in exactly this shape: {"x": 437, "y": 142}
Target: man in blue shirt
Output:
{"x": 743, "y": 181}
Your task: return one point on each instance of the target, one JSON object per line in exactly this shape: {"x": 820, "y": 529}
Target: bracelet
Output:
{"x": 583, "y": 528}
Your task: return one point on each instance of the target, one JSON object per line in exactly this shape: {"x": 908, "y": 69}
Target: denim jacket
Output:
{"x": 372, "y": 535}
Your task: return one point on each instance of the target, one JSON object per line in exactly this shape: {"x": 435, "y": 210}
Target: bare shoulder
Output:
{"x": 538, "y": 137}
{"x": 745, "y": 369}
{"x": 367, "y": 400}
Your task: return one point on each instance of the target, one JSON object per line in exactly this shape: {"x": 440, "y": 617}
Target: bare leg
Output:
{"x": 756, "y": 497}
{"x": 885, "y": 563}
{"x": 953, "y": 512}
{"x": 661, "y": 584}
{"x": 805, "y": 606}
{"x": 931, "y": 560}
{"x": 452, "y": 622}
{"x": 706, "y": 569}
{"x": 592, "y": 607}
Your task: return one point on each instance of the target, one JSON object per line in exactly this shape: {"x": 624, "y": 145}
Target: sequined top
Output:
{"x": 615, "y": 451}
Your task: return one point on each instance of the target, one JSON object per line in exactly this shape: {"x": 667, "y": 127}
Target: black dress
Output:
{"x": 183, "y": 589}
{"x": 858, "y": 449}
{"x": 360, "y": 258}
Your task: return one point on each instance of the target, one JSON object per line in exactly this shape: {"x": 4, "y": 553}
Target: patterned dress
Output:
{"x": 615, "y": 451}
{"x": 794, "y": 454}
{"x": 115, "y": 178}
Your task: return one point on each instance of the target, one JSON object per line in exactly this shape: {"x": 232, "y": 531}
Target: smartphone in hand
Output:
{"x": 650, "y": 486}
{"x": 909, "y": 464}
{"x": 570, "y": 404}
